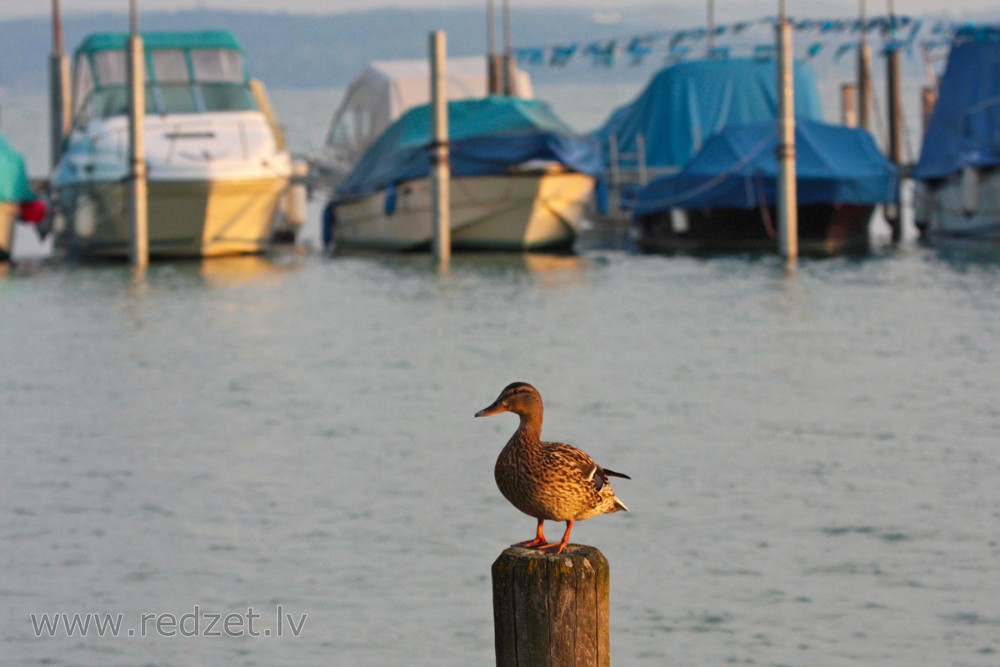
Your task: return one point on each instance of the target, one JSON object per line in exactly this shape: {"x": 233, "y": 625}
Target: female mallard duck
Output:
{"x": 548, "y": 480}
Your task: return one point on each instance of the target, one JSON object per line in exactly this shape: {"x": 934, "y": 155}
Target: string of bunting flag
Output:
{"x": 896, "y": 32}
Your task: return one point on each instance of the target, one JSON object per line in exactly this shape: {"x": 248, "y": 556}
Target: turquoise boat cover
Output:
{"x": 738, "y": 168}
{"x": 686, "y": 103}
{"x": 964, "y": 130}
{"x": 486, "y": 136}
{"x": 14, "y": 186}
{"x": 152, "y": 41}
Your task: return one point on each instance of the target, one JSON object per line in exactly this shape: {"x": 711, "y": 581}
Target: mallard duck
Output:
{"x": 548, "y": 480}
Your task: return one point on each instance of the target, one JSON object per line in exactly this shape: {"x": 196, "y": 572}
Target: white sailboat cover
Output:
{"x": 385, "y": 90}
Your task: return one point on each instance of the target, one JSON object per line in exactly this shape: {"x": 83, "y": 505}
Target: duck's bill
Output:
{"x": 496, "y": 408}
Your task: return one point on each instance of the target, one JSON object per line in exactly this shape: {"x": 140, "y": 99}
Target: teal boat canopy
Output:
{"x": 14, "y": 186}
{"x": 486, "y": 136}
{"x": 186, "y": 72}
{"x": 152, "y": 41}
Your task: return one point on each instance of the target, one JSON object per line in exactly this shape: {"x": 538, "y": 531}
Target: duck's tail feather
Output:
{"x": 619, "y": 506}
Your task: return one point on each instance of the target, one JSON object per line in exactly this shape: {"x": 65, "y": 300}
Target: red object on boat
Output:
{"x": 33, "y": 211}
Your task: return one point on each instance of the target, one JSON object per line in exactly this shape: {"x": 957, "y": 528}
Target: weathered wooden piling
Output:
{"x": 440, "y": 167}
{"x": 551, "y": 611}
{"x": 788, "y": 206}
{"x": 138, "y": 192}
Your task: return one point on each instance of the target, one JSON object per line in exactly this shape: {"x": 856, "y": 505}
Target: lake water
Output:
{"x": 814, "y": 455}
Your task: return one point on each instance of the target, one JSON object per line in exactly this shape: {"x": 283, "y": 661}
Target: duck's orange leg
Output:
{"x": 539, "y": 540}
{"x": 558, "y": 547}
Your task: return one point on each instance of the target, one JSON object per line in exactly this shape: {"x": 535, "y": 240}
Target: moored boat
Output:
{"x": 958, "y": 173}
{"x": 521, "y": 180}
{"x": 682, "y": 106}
{"x": 725, "y": 197}
{"x": 382, "y": 92}
{"x": 17, "y": 200}
{"x": 216, "y": 159}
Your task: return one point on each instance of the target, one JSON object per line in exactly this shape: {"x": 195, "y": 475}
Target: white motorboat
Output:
{"x": 216, "y": 159}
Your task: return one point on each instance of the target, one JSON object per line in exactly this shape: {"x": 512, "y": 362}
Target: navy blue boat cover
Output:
{"x": 686, "y": 103}
{"x": 965, "y": 127}
{"x": 738, "y": 168}
{"x": 486, "y": 136}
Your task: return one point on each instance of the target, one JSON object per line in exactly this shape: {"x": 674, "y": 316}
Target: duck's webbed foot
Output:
{"x": 539, "y": 540}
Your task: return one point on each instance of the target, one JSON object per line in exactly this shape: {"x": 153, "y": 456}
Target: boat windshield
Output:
{"x": 178, "y": 81}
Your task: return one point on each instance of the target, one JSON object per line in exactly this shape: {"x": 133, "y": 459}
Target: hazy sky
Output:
{"x": 725, "y": 9}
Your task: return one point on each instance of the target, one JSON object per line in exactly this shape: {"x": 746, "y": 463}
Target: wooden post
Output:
{"x": 139, "y": 248}
{"x": 494, "y": 79}
{"x": 509, "y": 66}
{"x": 928, "y": 99}
{"x": 494, "y": 61}
{"x": 440, "y": 168}
{"x": 59, "y": 102}
{"x": 551, "y": 611}
{"x": 848, "y": 108}
{"x": 864, "y": 74}
{"x": 711, "y": 25}
{"x": 788, "y": 214}
{"x": 893, "y": 213}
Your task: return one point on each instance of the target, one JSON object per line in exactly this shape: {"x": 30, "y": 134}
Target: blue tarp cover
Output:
{"x": 486, "y": 136}
{"x": 686, "y": 103}
{"x": 14, "y": 184}
{"x": 964, "y": 130}
{"x": 834, "y": 164}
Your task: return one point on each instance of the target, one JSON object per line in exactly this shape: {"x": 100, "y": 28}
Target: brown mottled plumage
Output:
{"x": 548, "y": 480}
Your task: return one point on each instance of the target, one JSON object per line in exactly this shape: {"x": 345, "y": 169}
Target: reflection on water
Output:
{"x": 227, "y": 271}
{"x": 963, "y": 252}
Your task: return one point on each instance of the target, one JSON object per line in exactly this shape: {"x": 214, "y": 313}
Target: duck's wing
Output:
{"x": 569, "y": 457}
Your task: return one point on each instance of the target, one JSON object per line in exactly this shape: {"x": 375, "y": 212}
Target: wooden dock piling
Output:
{"x": 551, "y": 611}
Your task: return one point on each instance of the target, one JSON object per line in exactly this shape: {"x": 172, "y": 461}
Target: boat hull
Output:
{"x": 964, "y": 205}
{"x": 195, "y": 218}
{"x": 8, "y": 218}
{"x": 824, "y": 229}
{"x": 519, "y": 211}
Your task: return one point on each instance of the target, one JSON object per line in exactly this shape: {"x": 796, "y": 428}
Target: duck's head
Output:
{"x": 518, "y": 397}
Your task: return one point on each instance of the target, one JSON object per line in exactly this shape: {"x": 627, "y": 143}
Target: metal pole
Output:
{"x": 788, "y": 223}
{"x": 440, "y": 168}
{"x": 139, "y": 248}
{"x": 59, "y": 102}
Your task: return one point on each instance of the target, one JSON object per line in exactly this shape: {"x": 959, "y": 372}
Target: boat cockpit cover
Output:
{"x": 386, "y": 89}
{"x": 686, "y": 103}
{"x": 738, "y": 168}
{"x": 14, "y": 186}
{"x": 964, "y": 130}
{"x": 486, "y": 136}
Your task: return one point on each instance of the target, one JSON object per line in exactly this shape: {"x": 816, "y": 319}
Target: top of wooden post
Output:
{"x": 551, "y": 609}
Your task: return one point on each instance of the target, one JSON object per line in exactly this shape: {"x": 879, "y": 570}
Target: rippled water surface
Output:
{"x": 814, "y": 457}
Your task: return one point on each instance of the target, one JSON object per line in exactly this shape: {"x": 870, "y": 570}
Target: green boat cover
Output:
{"x": 14, "y": 186}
